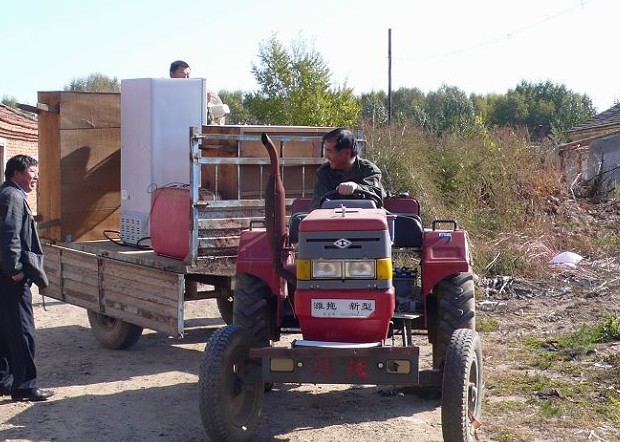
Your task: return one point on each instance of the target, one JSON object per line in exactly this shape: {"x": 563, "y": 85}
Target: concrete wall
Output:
{"x": 605, "y": 154}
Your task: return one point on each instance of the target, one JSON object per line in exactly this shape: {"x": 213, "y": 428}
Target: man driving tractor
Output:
{"x": 345, "y": 172}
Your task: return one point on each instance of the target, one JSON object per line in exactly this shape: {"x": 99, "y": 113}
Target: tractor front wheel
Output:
{"x": 462, "y": 387}
{"x": 230, "y": 404}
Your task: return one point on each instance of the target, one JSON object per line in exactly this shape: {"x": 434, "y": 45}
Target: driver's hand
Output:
{"x": 347, "y": 188}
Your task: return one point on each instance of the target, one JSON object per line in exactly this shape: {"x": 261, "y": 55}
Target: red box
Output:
{"x": 170, "y": 221}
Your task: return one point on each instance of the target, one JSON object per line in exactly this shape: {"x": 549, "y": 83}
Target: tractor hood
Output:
{"x": 344, "y": 219}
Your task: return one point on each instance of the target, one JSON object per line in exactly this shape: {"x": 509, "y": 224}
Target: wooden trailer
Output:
{"x": 128, "y": 288}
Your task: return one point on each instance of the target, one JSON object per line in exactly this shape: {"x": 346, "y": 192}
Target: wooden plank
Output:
{"x": 134, "y": 294}
{"x": 163, "y": 324}
{"x": 81, "y": 298}
{"x": 141, "y": 278}
{"x": 217, "y": 244}
{"x": 90, "y": 110}
{"x": 48, "y": 194}
{"x": 140, "y": 295}
{"x": 248, "y": 181}
{"x": 155, "y": 306}
{"x": 90, "y": 162}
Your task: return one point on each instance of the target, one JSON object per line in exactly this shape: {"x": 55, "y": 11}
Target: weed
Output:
{"x": 506, "y": 406}
{"x": 487, "y": 325}
{"x": 585, "y": 339}
{"x": 608, "y": 329}
{"x": 613, "y": 411}
{"x": 548, "y": 409}
{"x": 505, "y": 435}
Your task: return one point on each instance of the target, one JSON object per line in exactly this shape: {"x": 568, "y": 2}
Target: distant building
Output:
{"x": 19, "y": 134}
{"x": 594, "y": 149}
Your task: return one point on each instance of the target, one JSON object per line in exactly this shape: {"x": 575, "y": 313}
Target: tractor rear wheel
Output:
{"x": 462, "y": 387}
{"x": 230, "y": 404}
{"x": 454, "y": 306}
{"x": 252, "y": 307}
{"x": 113, "y": 333}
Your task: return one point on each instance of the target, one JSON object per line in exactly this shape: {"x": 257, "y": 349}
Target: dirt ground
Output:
{"x": 150, "y": 392}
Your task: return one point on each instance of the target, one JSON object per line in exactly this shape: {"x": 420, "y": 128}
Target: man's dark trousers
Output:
{"x": 17, "y": 330}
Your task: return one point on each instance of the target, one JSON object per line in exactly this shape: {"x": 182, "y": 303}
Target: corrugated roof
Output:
{"x": 14, "y": 124}
{"x": 609, "y": 117}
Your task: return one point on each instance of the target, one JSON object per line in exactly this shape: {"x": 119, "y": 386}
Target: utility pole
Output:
{"x": 390, "y": 76}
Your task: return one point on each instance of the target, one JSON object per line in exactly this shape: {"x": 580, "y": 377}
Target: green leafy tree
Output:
{"x": 408, "y": 105}
{"x": 374, "y": 108}
{"x": 296, "y": 89}
{"x": 545, "y": 109}
{"x": 9, "y": 101}
{"x": 94, "y": 83}
{"x": 239, "y": 114}
{"x": 449, "y": 110}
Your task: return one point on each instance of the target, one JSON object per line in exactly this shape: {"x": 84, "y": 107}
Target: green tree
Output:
{"x": 9, "y": 101}
{"x": 239, "y": 114}
{"x": 408, "y": 105}
{"x": 545, "y": 109}
{"x": 449, "y": 110}
{"x": 296, "y": 89}
{"x": 374, "y": 108}
{"x": 94, "y": 83}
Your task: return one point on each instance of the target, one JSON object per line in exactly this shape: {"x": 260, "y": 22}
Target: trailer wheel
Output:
{"x": 462, "y": 387}
{"x": 225, "y": 306}
{"x": 230, "y": 404}
{"x": 251, "y": 308}
{"x": 455, "y": 306}
{"x": 113, "y": 333}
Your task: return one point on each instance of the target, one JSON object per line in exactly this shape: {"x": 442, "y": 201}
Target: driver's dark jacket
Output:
{"x": 365, "y": 173}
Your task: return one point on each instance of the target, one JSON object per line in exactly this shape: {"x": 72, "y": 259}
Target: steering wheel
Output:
{"x": 360, "y": 192}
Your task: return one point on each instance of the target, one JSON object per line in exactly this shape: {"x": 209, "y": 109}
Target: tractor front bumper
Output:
{"x": 335, "y": 363}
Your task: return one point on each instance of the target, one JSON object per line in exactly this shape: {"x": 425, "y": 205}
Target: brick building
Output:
{"x": 18, "y": 135}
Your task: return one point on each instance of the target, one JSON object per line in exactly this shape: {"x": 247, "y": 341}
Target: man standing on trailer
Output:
{"x": 344, "y": 171}
{"x": 216, "y": 109}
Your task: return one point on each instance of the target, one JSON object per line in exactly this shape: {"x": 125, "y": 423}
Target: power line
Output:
{"x": 509, "y": 35}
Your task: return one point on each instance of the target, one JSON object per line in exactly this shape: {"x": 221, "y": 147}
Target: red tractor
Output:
{"x": 331, "y": 277}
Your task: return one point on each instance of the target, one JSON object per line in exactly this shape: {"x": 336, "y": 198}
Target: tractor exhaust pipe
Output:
{"x": 275, "y": 215}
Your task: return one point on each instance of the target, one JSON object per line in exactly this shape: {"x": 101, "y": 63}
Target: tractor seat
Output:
{"x": 408, "y": 231}
{"x": 293, "y": 226}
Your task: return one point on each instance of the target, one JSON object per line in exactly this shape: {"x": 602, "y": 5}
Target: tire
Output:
{"x": 229, "y": 405}
{"x": 113, "y": 333}
{"x": 462, "y": 387}
{"x": 252, "y": 308}
{"x": 455, "y": 308}
{"x": 225, "y": 306}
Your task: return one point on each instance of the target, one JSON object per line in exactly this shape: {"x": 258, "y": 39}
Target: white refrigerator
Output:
{"x": 156, "y": 116}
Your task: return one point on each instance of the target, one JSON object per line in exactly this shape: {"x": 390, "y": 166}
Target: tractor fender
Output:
{"x": 444, "y": 253}
{"x": 255, "y": 257}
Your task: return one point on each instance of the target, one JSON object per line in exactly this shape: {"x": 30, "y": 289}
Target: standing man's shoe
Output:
{"x": 35, "y": 395}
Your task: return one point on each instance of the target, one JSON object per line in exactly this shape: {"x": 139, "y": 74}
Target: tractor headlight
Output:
{"x": 365, "y": 269}
{"x": 330, "y": 269}
{"x": 346, "y": 269}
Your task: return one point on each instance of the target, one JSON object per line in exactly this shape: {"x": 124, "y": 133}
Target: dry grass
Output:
{"x": 510, "y": 197}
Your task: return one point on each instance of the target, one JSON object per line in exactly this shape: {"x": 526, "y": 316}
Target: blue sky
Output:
{"x": 479, "y": 46}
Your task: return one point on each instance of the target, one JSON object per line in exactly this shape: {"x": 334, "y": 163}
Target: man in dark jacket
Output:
{"x": 21, "y": 262}
{"x": 345, "y": 172}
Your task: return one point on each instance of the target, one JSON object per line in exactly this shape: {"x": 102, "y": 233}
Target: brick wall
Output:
{"x": 18, "y": 135}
